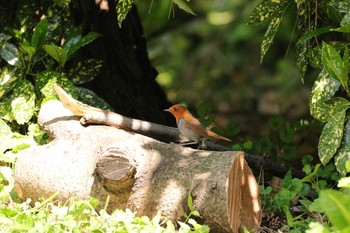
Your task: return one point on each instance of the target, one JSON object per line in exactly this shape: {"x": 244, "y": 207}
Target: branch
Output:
{"x": 91, "y": 115}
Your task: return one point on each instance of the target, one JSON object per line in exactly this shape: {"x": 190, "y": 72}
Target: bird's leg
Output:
{"x": 202, "y": 145}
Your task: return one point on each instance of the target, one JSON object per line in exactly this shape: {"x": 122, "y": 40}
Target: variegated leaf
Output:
{"x": 333, "y": 64}
{"x": 23, "y": 102}
{"x": 331, "y": 137}
{"x": 46, "y": 79}
{"x": 90, "y": 98}
{"x": 273, "y": 9}
{"x": 5, "y": 111}
{"x": 43, "y": 77}
{"x": 343, "y": 153}
{"x": 7, "y": 81}
{"x": 323, "y": 90}
{"x": 123, "y": 8}
{"x": 85, "y": 71}
{"x": 302, "y": 60}
{"x": 267, "y": 10}
{"x": 5, "y": 136}
{"x": 10, "y": 53}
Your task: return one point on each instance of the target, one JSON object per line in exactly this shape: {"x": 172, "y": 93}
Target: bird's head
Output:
{"x": 177, "y": 110}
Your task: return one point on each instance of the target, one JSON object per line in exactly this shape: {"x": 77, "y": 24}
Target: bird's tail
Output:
{"x": 215, "y": 135}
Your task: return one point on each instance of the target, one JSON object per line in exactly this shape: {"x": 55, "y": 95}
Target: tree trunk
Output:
{"x": 137, "y": 172}
{"x": 127, "y": 81}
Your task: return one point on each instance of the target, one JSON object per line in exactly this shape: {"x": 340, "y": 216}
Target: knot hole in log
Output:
{"x": 116, "y": 170}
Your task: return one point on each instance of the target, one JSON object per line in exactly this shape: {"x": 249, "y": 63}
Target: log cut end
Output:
{"x": 243, "y": 197}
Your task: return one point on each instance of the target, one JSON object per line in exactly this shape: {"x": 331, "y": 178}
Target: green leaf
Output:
{"x": 302, "y": 59}
{"x": 345, "y": 28}
{"x": 264, "y": 11}
{"x": 331, "y": 137}
{"x": 5, "y": 111}
{"x": 279, "y": 9}
{"x": 10, "y": 54}
{"x": 314, "y": 33}
{"x": 45, "y": 80}
{"x": 85, "y": 71}
{"x": 90, "y": 98}
{"x": 23, "y": 102}
{"x": 336, "y": 205}
{"x": 39, "y": 34}
{"x": 346, "y": 62}
{"x": 190, "y": 202}
{"x": 57, "y": 53}
{"x": 346, "y": 18}
{"x": 5, "y": 136}
{"x": 287, "y": 179}
{"x": 283, "y": 198}
{"x": 48, "y": 90}
{"x": 344, "y": 182}
{"x": 36, "y": 133}
{"x": 183, "y": 6}
{"x": 3, "y": 37}
{"x": 30, "y": 50}
{"x": 123, "y": 7}
{"x": 343, "y": 153}
{"x": 23, "y": 109}
{"x": 333, "y": 64}
{"x": 44, "y": 77}
{"x": 91, "y": 36}
{"x": 315, "y": 57}
{"x": 323, "y": 89}
{"x": 73, "y": 38}
{"x": 24, "y": 222}
{"x": 337, "y": 104}
{"x": 7, "y": 81}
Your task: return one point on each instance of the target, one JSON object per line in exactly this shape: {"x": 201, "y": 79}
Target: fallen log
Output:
{"x": 91, "y": 115}
{"x": 137, "y": 172}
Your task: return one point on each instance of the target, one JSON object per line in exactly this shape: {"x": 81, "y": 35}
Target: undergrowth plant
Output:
{"x": 35, "y": 54}
{"x": 322, "y": 29}
{"x": 79, "y": 215}
{"x": 317, "y": 23}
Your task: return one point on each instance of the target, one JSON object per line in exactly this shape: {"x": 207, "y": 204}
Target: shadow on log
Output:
{"x": 137, "y": 172}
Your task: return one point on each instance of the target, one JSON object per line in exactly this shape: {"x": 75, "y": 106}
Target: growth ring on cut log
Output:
{"x": 116, "y": 170}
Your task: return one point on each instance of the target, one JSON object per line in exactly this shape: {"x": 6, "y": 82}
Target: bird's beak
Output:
{"x": 166, "y": 110}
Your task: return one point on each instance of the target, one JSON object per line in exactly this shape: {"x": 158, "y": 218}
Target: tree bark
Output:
{"x": 137, "y": 172}
{"x": 127, "y": 81}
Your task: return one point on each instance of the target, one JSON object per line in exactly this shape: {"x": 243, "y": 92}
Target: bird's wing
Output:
{"x": 194, "y": 125}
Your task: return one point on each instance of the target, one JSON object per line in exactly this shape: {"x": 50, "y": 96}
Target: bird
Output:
{"x": 190, "y": 127}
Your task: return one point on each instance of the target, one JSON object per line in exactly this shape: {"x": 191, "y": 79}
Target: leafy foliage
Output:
{"x": 323, "y": 45}
{"x": 269, "y": 10}
{"x": 34, "y": 57}
{"x": 124, "y": 6}
{"x": 330, "y": 95}
{"x": 294, "y": 197}
{"x": 280, "y": 145}
{"x": 77, "y": 215}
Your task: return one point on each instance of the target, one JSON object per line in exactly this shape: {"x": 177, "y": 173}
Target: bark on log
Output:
{"x": 137, "y": 172}
{"x": 163, "y": 133}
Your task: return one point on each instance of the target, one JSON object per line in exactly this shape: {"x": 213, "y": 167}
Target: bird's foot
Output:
{"x": 202, "y": 145}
